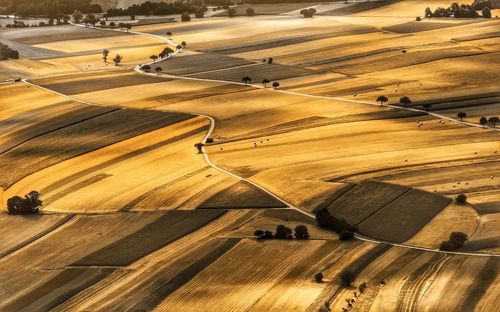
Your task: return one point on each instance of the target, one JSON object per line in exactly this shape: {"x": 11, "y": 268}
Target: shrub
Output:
{"x": 301, "y": 232}
{"x": 30, "y": 204}
{"x": 283, "y": 232}
{"x": 461, "y": 199}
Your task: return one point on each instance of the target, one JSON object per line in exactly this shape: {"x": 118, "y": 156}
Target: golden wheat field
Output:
{"x": 186, "y": 182}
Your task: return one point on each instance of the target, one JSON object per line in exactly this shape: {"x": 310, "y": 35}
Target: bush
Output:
{"x": 301, "y": 232}
{"x": 461, "y": 199}
{"x": 30, "y": 204}
{"x": 185, "y": 17}
{"x": 283, "y": 232}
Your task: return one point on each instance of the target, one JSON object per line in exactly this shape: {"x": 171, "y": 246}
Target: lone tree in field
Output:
{"x": 30, "y": 204}
{"x": 405, "y": 101}
{"x": 347, "y": 278}
{"x": 199, "y": 147}
{"x": 301, "y": 232}
{"x": 270, "y": 60}
{"x": 158, "y": 70}
{"x": 169, "y": 34}
{"x": 250, "y": 12}
{"x": 456, "y": 241}
{"x": 154, "y": 57}
{"x": 105, "y": 54}
{"x": 427, "y": 106}
{"x": 318, "y": 277}
{"x": 276, "y": 85}
{"x": 461, "y": 198}
{"x": 118, "y": 59}
{"x": 183, "y": 44}
{"x": 483, "y": 121}
{"x": 461, "y": 115}
{"x": 265, "y": 82}
{"x": 493, "y": 121}
{"x": 382, "y": 99}
{"x": 246, "y": 80}
{"x": 308, "y": 13}
{"x": 283, "y": 232}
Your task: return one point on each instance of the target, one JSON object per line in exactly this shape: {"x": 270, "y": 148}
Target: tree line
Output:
{"x": 154, "y": 8}
{"x": 50, "y": 8}
{"x": 7, "y": 53}
{"x": 462, "y": 10}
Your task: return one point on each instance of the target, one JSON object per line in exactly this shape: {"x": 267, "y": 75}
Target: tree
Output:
{"x": 91, "y": 19}
{"x": 112, "y": 24}
{"x": 428, "y": 12}
{"x": 493, "y": 120}
{"x": 105, "y": 54}
{"x": 30, "y": 204}
{"x": 165, "y": 53}
{"x": 184, "y": 44}
{"x": 461, "y": 115}
{"x": 169, "y": 34}
{"x": 270, "y": 60}
{"x": 103, "y": 23}
{"x": 486, "y": 12}
{"x": 199, "y": 147}
{"x": 301, "y": 232}
{"x": 276, "y": 85}
{"x": 258, "y": 233}
{"x": 456, "y": 241}
{"x": 483, "y": 120}
{"x": 267, "y": 235}
{"x": 246, "y": 80}
{"x": 308, "y": 13}
{"x": 345, "y": 235}
{"x": 265, "y": 82}
{"x": 231, "y": 12}
{"x": 154, "y": 57}
{"x": 382, "y": 99}
{"x": 405, "y": 101}
{"x": 185, "y": 17}
{"x": 77, "y": 16}
{"x": 199, "y": 13}
{"x": 427, "y": 106}
{"x": 118, "y": 59}
{"x": 347, "y": 278}
{"x": 461, "y": 198}
{"x": 283, "y": 232}
{"x": 128, "y": 27}
{"x": 178, "y": 47}
{"x": 250, "y": 12}
{"x": 318, "y": 277}
{"x": 146, "y": 68}
{"x": 158, "y": 70}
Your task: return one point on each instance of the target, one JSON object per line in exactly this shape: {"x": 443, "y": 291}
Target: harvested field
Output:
{"x": 242, "y": 195}
{"x": 413, "y": 26}
{"x": 353, "y": 206}
{"x": 179, "y": 223}
{"x": 198, "y": 63}
{"x": 359, "y": 7}
{"x": 404, "y": 217}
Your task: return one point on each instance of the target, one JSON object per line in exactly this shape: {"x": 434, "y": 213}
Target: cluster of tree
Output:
{"x": 456, "y": 241}
{"x": 492, "y": 121}
{"x": 154, "y": 8}
{"x": 462, "y": 10}
{"x": 7, "y": 53}
{"x": 461, "y": 199}
{"x": 30, "y": 204}
{"x": 280, "y": 1}
{"x": 327, "y": 221}
{"x": 283, "y": 232}
{"x": 246, "y": 80}
{"x": 50, "y": 8}
{"x": 308, "y": 12}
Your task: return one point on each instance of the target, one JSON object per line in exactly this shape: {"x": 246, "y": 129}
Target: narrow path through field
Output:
{"x": 212, "y": 127}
